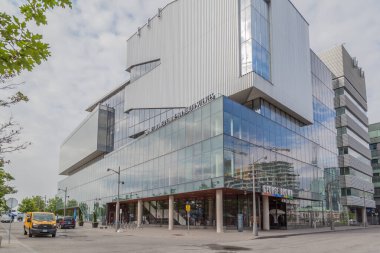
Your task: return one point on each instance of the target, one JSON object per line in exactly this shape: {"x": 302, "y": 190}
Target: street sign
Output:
{"x": 188, "y": 208}
{"x": 12, "y": 202}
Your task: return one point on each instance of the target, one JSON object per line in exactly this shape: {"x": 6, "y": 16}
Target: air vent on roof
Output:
{"x": 139, "y": 31}
{"x": 149, "y": 22}
{"x": 361, "y": 73}
{"x": 159, "y": 12}
{"x": 355, "y": 62}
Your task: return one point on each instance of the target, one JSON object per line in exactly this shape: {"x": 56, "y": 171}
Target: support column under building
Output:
{"x": 266, "y": 225}
{"x": 171, "y": 208}
{"x": 139, "y": 212}
{"x": 219, "y": 211}
{"x": 364, "y": 216}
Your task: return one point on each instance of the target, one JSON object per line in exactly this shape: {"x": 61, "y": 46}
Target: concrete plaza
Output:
{"x": 156, "y": 239}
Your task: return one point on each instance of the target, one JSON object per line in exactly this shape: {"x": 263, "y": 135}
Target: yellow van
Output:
{"x": 40, "y": 223}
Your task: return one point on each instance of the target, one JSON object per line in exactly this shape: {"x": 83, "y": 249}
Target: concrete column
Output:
{"x": 171, "y": 207}
{"x": 219, "y": 211}
{"x": 139, "y": 212}
{"x": 117, "y": 216}
{"x": 211, "y": 211}
{"x": 364, "y": 215}
{"x": 266, "y": 225}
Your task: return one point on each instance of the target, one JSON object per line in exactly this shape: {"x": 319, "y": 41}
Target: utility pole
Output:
{"x": 365, "y": 210}
{"x": 117, "y": 216}
{"x": 331, "y": 208}
{"x": 64, "y": 207}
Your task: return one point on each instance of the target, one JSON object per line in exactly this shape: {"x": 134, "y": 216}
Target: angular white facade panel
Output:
{"x": 198, "y": 44}
{"x": 85, "y": 143}
{"x": 291, "y": 69}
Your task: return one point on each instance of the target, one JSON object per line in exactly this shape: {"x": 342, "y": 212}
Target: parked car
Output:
{"x": 5, "y": 218}
{"x": 58, "y": 220}
{"x": 66, "y": 222}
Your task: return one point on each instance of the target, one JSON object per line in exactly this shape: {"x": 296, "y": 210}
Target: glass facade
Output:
{"x": 214, "y": 147}
{"x": 129, "y": 126}
{"x": 142, "y": 69}
{"x": 254, "y": 37}
{"x": 374, "y": 134}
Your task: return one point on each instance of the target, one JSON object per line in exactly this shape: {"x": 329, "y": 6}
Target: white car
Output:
{"x": 5, "y": 218}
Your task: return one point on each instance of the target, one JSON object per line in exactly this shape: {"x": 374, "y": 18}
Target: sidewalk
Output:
{"x": 303, "y": 231}
{"x": 210, "y": 234}
{"x": 15, "y": 245}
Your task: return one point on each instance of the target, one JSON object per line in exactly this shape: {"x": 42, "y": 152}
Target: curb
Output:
{"x": 313, "y": 232}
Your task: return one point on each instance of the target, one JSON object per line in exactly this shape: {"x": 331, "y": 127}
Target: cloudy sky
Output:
{"x": 88, "y": 45}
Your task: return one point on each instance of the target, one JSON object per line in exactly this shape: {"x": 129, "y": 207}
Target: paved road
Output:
{"x": 83, "y": 240}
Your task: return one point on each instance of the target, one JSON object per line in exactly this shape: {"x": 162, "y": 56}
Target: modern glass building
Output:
{"x": 374, "y": 135}
{"x": 204, "y": 108}
{"x": 352, "y": 128}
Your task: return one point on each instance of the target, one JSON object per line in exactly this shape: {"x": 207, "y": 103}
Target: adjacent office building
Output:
{"x": 374, "y": 135}
{"x": 352, "y": 127}
{"x": 217, "y": 88}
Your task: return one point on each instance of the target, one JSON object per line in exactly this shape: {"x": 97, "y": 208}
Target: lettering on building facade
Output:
{"x": 277, "y": 192}
{"x": 184, "y": 112}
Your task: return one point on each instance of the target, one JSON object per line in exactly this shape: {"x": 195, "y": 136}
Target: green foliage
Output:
{"x": 80, "y": 216}
{"x": 94, "y": 217}
{"x": 55, "y": 204}
{"x": 83, "y": 207}
{"x": 72, "y": 203}
{"x": 39, "y": 203}
{"x": 5, "y": 189}
{"x": 21, "y": 49}
{"x": 27, "y": 205}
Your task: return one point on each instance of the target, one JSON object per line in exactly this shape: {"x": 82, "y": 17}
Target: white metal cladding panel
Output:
{"x": 333, "y": 60}
{"x": 82, "y": 143}
{"x": 291, "y": 69}
{"x": 349, "y": 181}
{"x": 353, "y": 74}
{"x": 357, "y": 201}
{"x": 198, "y": 44}
{"x": 350, "y": 161}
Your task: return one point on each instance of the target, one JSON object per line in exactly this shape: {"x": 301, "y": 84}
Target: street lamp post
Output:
{"x": 64, "y": 207}
{"x": 118, "y": 197}
{"x": 45, "y": 204}
{"x": 365, "y": 210}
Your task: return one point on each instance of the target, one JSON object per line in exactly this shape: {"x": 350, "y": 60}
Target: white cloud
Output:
{"x": 357, "y": 25}
{"x": 88, "y": 45}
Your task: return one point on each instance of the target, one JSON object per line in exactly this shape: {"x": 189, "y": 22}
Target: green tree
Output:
{"x": 27, "y": 205}
{"x": 5, "y": 189}
{"x": 55, "y": 205}
{"x": 72, "y": 203}
{"x": 39, "y": 203}
{"x": 20, "y": 49}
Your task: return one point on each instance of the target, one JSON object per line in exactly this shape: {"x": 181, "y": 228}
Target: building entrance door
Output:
{"x": 277, "y": 214}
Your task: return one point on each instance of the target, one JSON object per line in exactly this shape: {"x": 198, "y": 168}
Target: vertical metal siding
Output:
{"x": 198, "y": 44}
